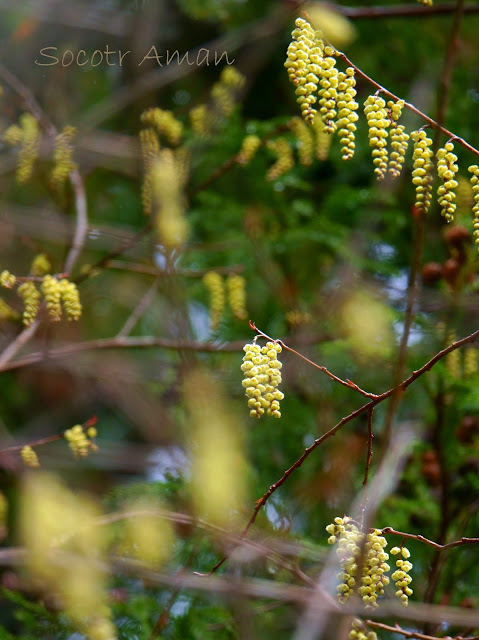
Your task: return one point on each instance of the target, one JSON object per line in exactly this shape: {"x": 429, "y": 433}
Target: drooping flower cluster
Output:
{"x": 52, "y": 293}
{"x": 401, "y": 575}
{"x": 62, "y": 157}
{"x": 214, "y": 283}
{"x": 225, "y": 91}
{"x": 249, "y": 147}
{"x": 328, "y": 90}
{"x": 363, "y": 562}
{"x": 474, "y": 169}
{"x": 29, "y": 457}
{"x": 347, "y": 116}
{"x": 422, "y": 169}
{"x": 359, "y": 631}
{"x": 150, "y": 148}
{"x": 346, "y": 534}
{"x": 304, "y": 57}
{"x": 70, "y": 299}
{"x": 304, "y": 137}
{"x": 374, "y": 577}
{"x": 378, "y": 123}
{"x": 323, "y": 140}
{"x": 262, "y": 376}
{"x": 235, "y": 285}
{"x": 31, "y": 301}
{"x": 41, "y": 265}
{"x": 284, "y": 158}
{"x": 164, "y": 122}
{"x": 399, "y": 138}
{"x": 447, "y": 169}
{"x": 27, "y": 135}
{"x": 80, "y": 441}
{"x": 7, "y": 279}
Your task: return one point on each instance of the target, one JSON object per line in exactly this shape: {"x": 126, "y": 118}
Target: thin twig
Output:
{"x": 431, "y": 543}
{"x": 369, "y": 454}
{"x": 184, "y": 273}
{"x": 345, "y": 383}
{"x": 139, "y": 310}
{"x": 411, "y": 634}
{"x": 400, "y": 10}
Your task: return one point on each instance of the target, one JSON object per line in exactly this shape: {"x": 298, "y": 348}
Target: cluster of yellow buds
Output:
{"x": 7, "y": 279}
{"x": 29, "y": 457}
{"x": 427, "y": 3}
{"x": 447, "y": 169}
{"x": 304, "y": 57}
{"x": 347, "y": 116}
{"x": 28, "y": 136}
{"x": 474, "y": 169}
{"x": 284, "y": 161}
{"x": 165, "y": 123}
{"x": 249, "y": 147}
{"x": 328, "y": 90}
{"x": 166, "y": 178}
{"x": 80, "y": 441}
{"x": 471, "y": 361}
{"x": 399, "y": 138}
{"x": 359, "y": 631}
{"x": 150, "y": 148}
{"x": 31, "y": 301}
{"x": 401, "y": 575}
{"x": 235, "y": 285}
{"x": 6, "y": 311}
{"x": 422, "y": 169}
{"x": 323, "y": 140}
{"x": 52, "y": 293}
{"x": 62, "y": 157}
{"x": 453, "y": 358}
{"x": 200, "y": 121}
{"x": 215, "y": 285}
{"x": 295, "y": 318}
{"x": 41, "y": 265}
{"x": 374, "y": 577}
{"x": 378, "y": 123}
{"x": 225, "y": 90}
{"x": 304, "y": 137}
{"x": 345, "y": 532}
{"x": 262, "y": 376}
{"x": 70, "y": 299}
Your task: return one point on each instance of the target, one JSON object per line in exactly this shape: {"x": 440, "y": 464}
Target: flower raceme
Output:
{"x": 262, "y": 376}
{"x": 363, "y": 561}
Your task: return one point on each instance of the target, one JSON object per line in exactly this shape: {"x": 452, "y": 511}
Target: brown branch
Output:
{"x": 431, "y": 543}
{"x": 345, "y": 383}
{"x": 139, "y": 310}
{"x": 369, "y": 455}
{"x": 411, "y": 634}
{"x": 184, "y": 273}
{"x": 365, "y": 408}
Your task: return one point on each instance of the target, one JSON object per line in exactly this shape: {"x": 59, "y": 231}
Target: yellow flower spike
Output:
{"x": 200, "y": 120}
{"x": 378, "y": 123}
{"x": 78, "y": 441}
{"x": 214, "y": 283}
{"x": 471, "y": 361}
{"x": 224, "y": 91}
{"x": 165, "y": 123}
{"x": 7, "y": 279}
{"x": 29, "y": 457}
{"x": 323, "y": 139}
{"x": 304, "y": 57}
{"x": 304, "y": 136}
{"x": 167, "y": 179}
{"x": 359, "y": 631}
{"x": 347, "y": 116}
{"x": 375, "y": 567}
{"x": 70, "y": 299}
{"x": 446, "y": 170}
{"x": 41, "y": 265}
{"x": 422, "y": 169}
{"x": 62, "y": 157}
{"x": 328, "y": 90}
{"x": 249, "y": 147}
{"x": 13, "y": 135}
{"x": 236, "y": 286}
{"x": 30, "y": 146}
{"x": 401, "y": 575}
{"x": 284, "y": 161}
{"x": 262, "y": 376}
{"x": 52, "y": 293}
{"x": 474, "y": 169}
{"x": 399, "y": 138}
{"x": 31, "y": 300}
